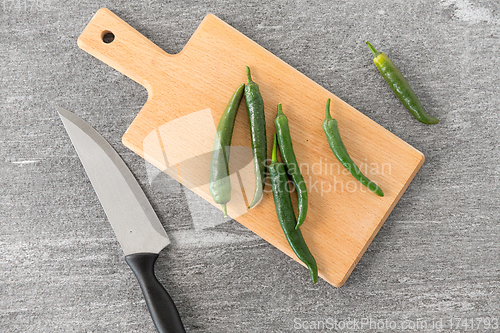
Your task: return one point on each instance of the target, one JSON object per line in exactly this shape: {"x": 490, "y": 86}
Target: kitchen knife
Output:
{"x": 132, "y": 218}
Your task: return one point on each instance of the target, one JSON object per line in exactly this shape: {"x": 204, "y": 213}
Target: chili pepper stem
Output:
{"x": 375, "y": 52}
{"x": 249, "y": 75}
{"x": 274, "y": 156}
{"x": 280, "y": 110}
{"x": 327, "y": 110}
{"x": 224, "y": 209}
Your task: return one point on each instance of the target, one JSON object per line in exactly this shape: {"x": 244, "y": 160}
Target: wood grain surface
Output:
{"x": 187, "y": 94}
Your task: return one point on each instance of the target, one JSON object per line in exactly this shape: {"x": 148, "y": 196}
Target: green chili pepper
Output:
{"x": 331, "y": 129}
{"x": 400, "y": 86}
{"x": 286, "y": 216}
{"x": 256, "y": 117}
{"x": 220, "y": 182}
{"x": 286, "y": 148}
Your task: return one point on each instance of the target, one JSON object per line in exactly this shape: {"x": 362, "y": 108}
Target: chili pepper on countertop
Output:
{"x": 220, "y": 182}
{"x": 400, "y": 86}
{"x": 286, "y": 215}
{"x": 331, "y": 129}
{"x": 292, "y": 167}
{"x": 256, "y": 117}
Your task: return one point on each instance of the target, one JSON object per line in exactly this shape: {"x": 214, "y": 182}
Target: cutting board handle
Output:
{"x": 129, "y": 52}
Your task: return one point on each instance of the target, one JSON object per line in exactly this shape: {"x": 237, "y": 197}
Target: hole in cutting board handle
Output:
{"x": 107, "y": 36}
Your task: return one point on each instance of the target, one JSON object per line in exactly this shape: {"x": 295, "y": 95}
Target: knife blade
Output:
{"x": 132, "y": 218}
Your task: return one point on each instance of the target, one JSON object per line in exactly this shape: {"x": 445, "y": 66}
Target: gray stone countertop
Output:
{"x": 435, "y": 262}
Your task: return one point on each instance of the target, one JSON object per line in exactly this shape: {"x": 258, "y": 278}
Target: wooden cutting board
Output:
{"x": 188, "y": 92}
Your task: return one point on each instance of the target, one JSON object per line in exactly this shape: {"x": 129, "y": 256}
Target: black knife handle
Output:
{"x": 160, "y": 305}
